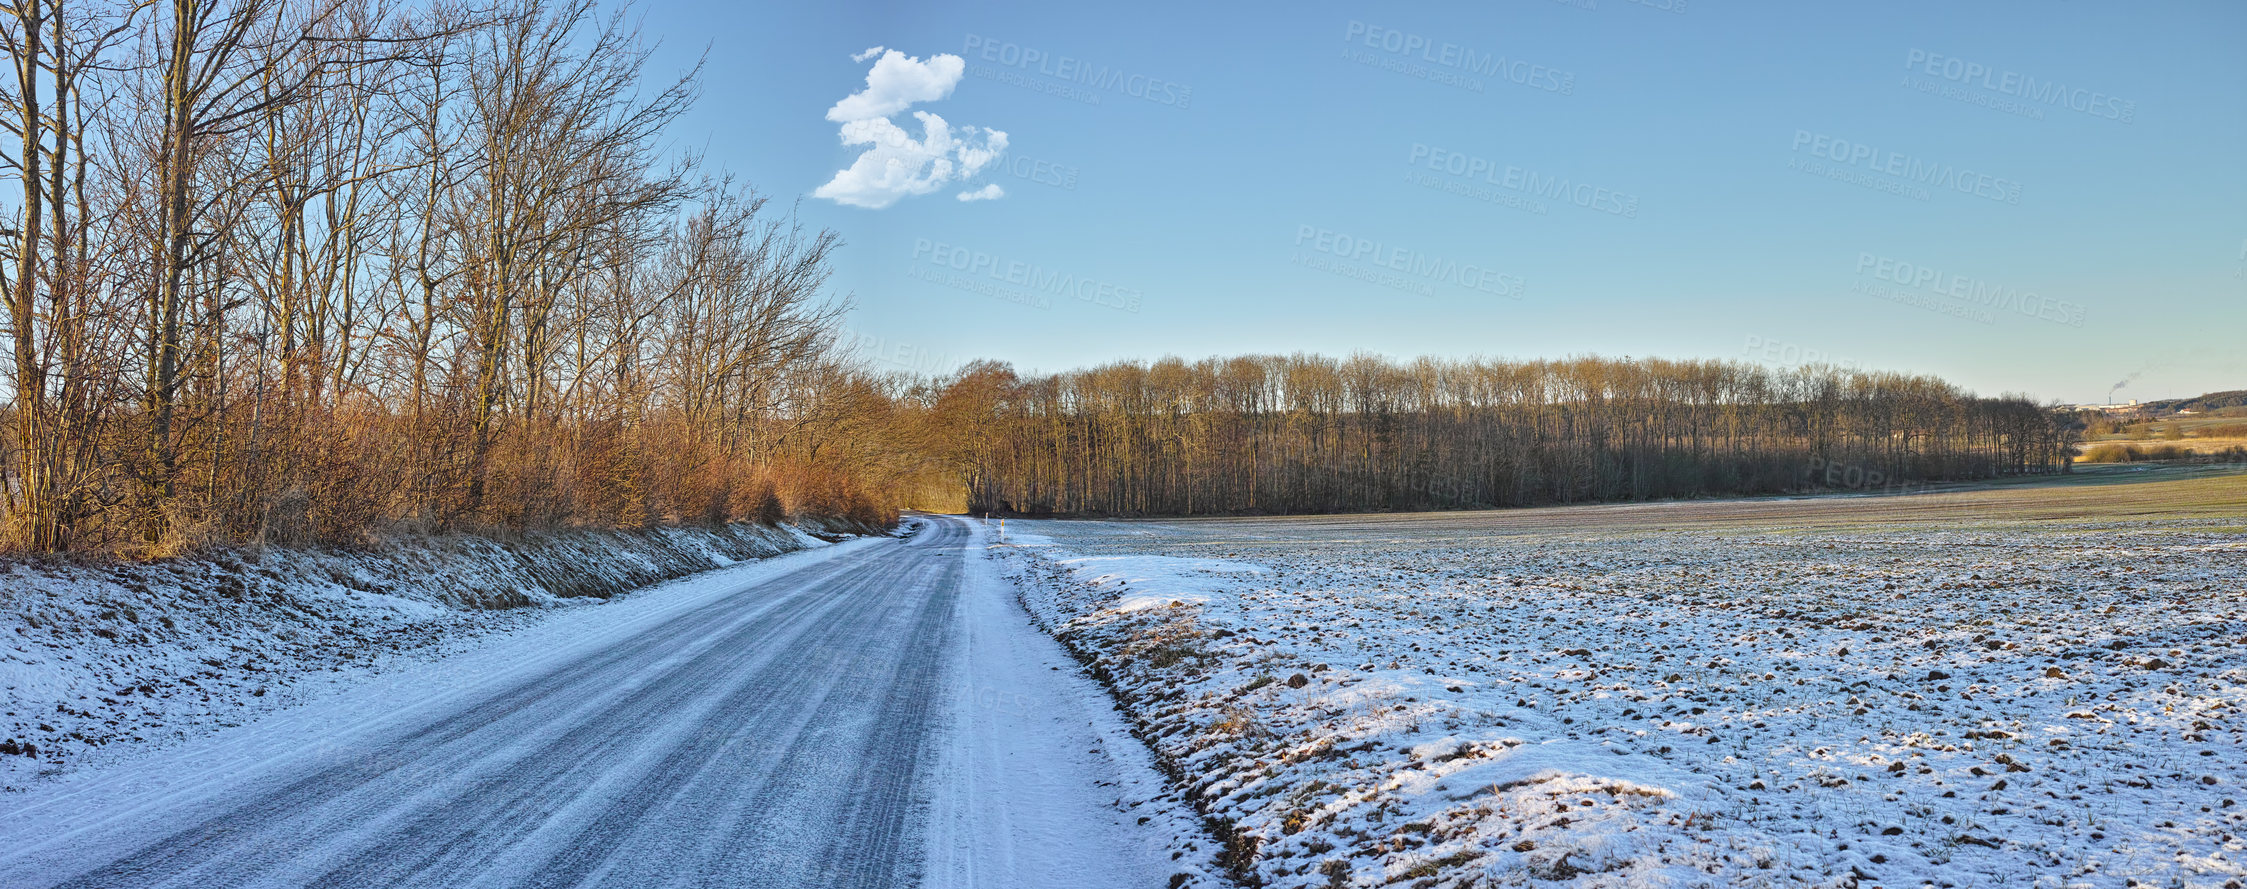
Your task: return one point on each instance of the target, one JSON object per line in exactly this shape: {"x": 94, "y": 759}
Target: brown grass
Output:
{"x": 2196, "y": 451}
{"x": 2127, "y": 453}
{"x": 2116, "y": 492}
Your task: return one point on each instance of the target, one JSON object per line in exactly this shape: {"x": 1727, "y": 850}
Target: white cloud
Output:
{"x": 986, "y": 193}
{"x": 895, "y": 165}
{"x": 897, "y": 81}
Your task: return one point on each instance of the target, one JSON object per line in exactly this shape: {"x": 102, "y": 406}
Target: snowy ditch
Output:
{"x": 1356, "y": 703}
{"x": 102, "y": 660}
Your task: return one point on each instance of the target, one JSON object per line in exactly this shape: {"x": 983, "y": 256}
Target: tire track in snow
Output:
{"x": 224, "y": 835}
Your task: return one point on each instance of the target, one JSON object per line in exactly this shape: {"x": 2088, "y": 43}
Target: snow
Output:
{"x": 1345, "y": 701}
{"x": 99, "y": 661}
{"x": 1366, "y": 700}
{"x": 136, "y": 795}
{"x": 737, "y": 725}
{"x": 1174, "y": 580}
{"x": 1041, "y": 783}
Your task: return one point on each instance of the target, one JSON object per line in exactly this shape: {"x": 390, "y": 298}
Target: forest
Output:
{"x": 293, "y": 273}
{"x": 1311, "y": 434}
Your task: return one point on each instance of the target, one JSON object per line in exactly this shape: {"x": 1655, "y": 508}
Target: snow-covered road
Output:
{"x": 874, "y": 714}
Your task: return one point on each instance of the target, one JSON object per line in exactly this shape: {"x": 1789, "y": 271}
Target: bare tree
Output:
{"x": 1313, "y": 434}
{"x": 287, "y": 271}
{"x": 60, "y": 320}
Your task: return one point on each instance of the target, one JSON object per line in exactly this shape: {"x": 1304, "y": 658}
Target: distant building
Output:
{"x": 2131, "y": 408}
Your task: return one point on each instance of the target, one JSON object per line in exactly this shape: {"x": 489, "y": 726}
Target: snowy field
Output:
{"x": 2026, "y": 686}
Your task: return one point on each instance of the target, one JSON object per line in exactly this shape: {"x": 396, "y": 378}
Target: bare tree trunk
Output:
{"x": 33, "y": 500}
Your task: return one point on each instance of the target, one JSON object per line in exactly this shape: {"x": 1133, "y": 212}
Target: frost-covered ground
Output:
{"x": 1764, "y": 693}
{"x": 104, "y": 660}
{"x": 875, "y": 713}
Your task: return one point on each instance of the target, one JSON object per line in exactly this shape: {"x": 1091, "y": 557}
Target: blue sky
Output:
{"x": 2037, "y": 197}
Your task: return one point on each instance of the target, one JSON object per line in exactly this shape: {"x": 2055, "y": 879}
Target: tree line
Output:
{"x": 316, "y": 270}
{"x": 1309, "y": 434}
